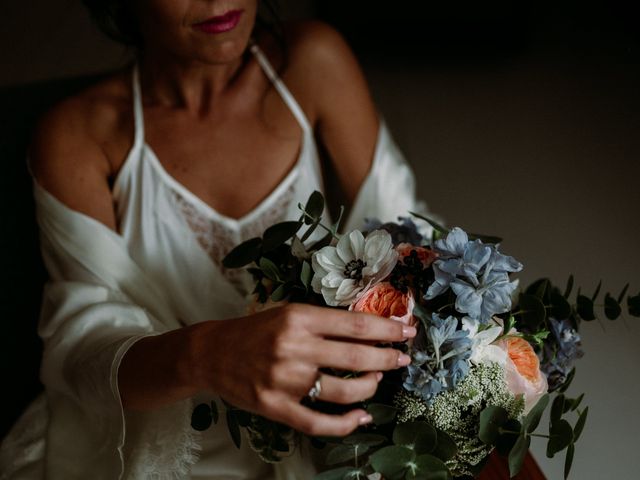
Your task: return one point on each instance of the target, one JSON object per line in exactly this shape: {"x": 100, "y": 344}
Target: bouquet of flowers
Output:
{"x": 485, "y": 360}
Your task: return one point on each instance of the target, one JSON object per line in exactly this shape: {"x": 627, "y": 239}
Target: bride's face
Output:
{"x": 207, "y": 31}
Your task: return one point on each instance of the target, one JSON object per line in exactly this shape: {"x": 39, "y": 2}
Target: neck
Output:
{"x": 191, "y": 85}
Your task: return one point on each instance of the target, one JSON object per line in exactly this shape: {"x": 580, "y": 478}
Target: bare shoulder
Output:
{"x": 337, "y": 98}
{"x": 75, "y": 144}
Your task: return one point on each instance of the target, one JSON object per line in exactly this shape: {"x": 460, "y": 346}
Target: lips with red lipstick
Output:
{"x": 221, "y": 23}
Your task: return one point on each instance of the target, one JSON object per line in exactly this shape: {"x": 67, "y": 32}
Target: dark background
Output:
{"x": 520, "y": 119}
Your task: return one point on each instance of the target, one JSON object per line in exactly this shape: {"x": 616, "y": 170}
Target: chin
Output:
{"x": 221, "y": 53}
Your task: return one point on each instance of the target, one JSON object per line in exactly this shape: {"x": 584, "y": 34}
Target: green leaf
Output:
{"x": 314, "y": 207}
{"x": 446, "y": 447}
{"x": 281, "y": 292}
{"x": 335, "y": 474}
{"x": 595, "y": 294}
{"x": 560, "y": 308}
{"x": 532, "y": 420}
{"x": 215, "y": 416}
{"x": 368, "y": 439}
{"x": 568, "y": 460}
{"x": 561, "y": 435}
{"x": 534, "y": 313}
{"x": 306, "y": 274}
{"x": 567, "y": 382}
{"x": 381, "y": 413}
{"x": 557, "y": 407}
{"x": 584, "y": 306}
{"x": 420, "y": 436}
{"x": 580, "y": 424}
{"x": 484, "y": 238}
{"x": 277, "y": 234}
{"x": 505, "y": 441}
{"x": 542, "y": 288}
{"x": 428, "y": 467}
{"x": 491, "y": 419}
{"x": 234, "y": 428}
{"x": 576, "y": 403}
{"x": 392, "y": 461}
{"x": 201, "y": 417}
{"x": 612, "y": 308}
{"x": 517, "y": 454}
{"x": 633, "y": 304}
{"x": 436, "y": 226}
{"x": 623, "y": 293}
{"x": 569, "y": 287}
{"x": 345, "y": 453}
{"x": 312, "y": 228}
{"x": 243, "y": 254}
{"x": 270, "y": 269}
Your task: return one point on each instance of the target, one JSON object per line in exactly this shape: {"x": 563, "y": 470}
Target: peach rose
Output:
{"x": 426, "y": 255}
{"x": 522, "y": 371}
{"x": 384, "y": 300}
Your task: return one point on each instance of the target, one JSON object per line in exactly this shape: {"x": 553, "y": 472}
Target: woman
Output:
{"x": 143, "y": 182}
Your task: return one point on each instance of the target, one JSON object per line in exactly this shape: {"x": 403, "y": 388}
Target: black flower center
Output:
{"x": 353, "y": 269}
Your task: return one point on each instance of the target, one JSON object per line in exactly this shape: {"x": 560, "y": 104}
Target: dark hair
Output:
{"x": 118, "y": 21}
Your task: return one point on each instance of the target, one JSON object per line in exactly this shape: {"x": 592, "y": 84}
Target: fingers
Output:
{"x": 346, "y": 391}
{"x": 357, "y": 325}
{"x": 355, "y": 357}
{"x": 318, "y": 424}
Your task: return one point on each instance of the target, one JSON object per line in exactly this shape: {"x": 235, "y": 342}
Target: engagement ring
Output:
{"x": 314, "y": 392}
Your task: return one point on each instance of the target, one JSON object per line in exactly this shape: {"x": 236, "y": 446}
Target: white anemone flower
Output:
{"x": 484, "y": 351}
{"x": 355, "y": 263}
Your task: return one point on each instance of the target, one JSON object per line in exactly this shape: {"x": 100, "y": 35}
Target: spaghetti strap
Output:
{"x": 282, "y": 88}
{"x": 138, "y": 114}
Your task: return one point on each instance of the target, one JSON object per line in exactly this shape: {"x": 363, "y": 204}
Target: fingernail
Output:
{"x": 408, "y": 331}
{"x": 379, "y": 376}
{"x": 403, "y": 360}
{"x": 365, "y": 419}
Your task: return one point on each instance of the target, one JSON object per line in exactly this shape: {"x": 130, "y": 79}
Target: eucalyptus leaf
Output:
{"x": 201, "y": 417}
{"x": 517, "y": 454}
{"x": 560, "y": 307}
{"x": 281, "y": 292}
{"x": 428, "y": 467}
{"x": 567, "y": 382}
{"x": 420, "y": 436}
{"x": 345, "y": 453}
{"x": 243, "y": 254}
{"x": 576, "y": 403}
{"x": 577, "y": 431}
{"x": 612, "y": 308}
{"x": 623, "y": 293}
{"x": 584, "y": 306}
{"x": 312, "y": 228}
{"x": 633, "y": 304}
{"x": 597, "y": 292}
{"x": 532, "y": 420}
{"x": 557, "y": 408}
{"x": 436, "y": 226}
{"x": 561, "y": 435}
{"x": 335, "y": 474}
{"x": 491, "y": 419}
{"x": 234, "y": 428}
{"x": 392, "y": 461}
{"x": 506, "y": 440}
{"x": 381, "y": 413}
{"x": 569, "y": 287}
{"x": 568, "y": 460}
{"x": 277, "y": 234}
{"x": 314, "y": 207}
{"x": 369, "y": 439}
{"x": 446, "y": 447}
{"x": 306, "y": 274}
{"x": 533, "y": 311}
{"x": 269, "y": 269}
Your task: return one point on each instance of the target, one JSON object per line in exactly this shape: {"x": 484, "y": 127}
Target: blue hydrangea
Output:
{"x": 560, "y": 350}
{"x": 477, "y": 273}
{"x": 440, "y": 358}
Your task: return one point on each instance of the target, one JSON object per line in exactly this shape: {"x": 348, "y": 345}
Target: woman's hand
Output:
{"x": 267, "y": 363}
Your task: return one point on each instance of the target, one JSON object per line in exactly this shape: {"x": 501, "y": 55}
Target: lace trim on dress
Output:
{"x": 218, "y": 238}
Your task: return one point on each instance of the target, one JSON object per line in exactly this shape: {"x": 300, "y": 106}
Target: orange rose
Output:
{"x": 522, "y": 371}
{"x": 426, "y": 255}
{"x": 384, "y": 300}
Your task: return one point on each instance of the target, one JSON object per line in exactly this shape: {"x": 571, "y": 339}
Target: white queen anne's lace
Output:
{"x": 343, "y": 271}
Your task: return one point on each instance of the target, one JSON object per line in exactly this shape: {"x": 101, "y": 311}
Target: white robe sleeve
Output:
{"x": 97, "y": 304}
{"x": 389, "y": 190}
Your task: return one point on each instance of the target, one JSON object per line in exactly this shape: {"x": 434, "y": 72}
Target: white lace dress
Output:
{"x": 161, "y": 271}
